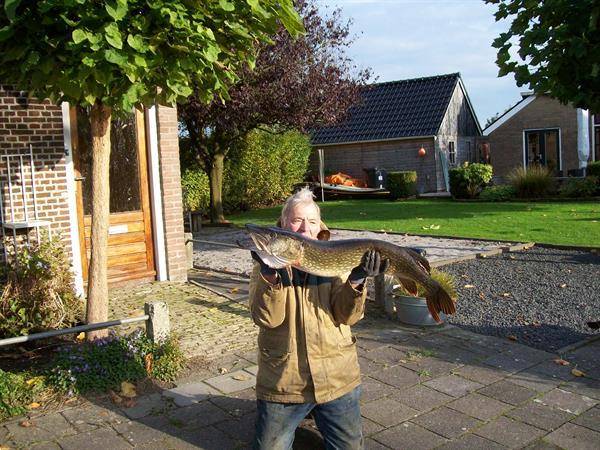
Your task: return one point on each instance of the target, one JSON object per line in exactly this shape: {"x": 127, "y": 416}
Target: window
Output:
{"x": 541, "y": 148}
{"x": 451, "y": 153}
{"x": 469, "y": 153}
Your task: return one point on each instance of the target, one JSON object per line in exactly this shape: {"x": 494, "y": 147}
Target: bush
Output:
{"x": 104, "y": 363}
{"x": 501, "y": 193}
{"x": 263, "y": 169}
{"x": 259, "y": 171}
{"x": 39, "y": 292}
{"x": 593, "y": 169}
{"x": 532, "y": 182}
{"x": 402, "y": 184}
{"x": 579, "y": 187}
{"x": 196, "y": 191}
{"x": 17, "y": 392}
{"x": 468, "y": 180}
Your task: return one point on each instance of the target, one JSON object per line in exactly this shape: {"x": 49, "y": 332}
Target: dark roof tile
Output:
{"x": 394, "y": 109}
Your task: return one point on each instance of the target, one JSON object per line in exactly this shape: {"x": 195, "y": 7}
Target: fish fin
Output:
{"x": 440, "y": 301}
{"x": 420, "y": 260}
{"x": 409, "y": 285}
{"x": 273, "y": 262}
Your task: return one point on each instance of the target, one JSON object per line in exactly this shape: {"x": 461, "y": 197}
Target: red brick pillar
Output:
{"x": 168, "y": 145}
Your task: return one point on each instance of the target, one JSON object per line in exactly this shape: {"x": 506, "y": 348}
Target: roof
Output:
{"x": 394, "y": 110}
{"x": 526, "y": 99}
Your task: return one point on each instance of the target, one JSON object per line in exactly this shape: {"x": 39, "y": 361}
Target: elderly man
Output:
{"x": 307, "y": 359}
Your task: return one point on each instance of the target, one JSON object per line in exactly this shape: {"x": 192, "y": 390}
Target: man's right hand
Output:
{"x": 267, "y": 272}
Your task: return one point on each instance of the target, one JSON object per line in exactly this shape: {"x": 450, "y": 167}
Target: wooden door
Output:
{"x": 130, "y": 242}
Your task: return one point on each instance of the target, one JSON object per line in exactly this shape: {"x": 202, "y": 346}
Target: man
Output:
{"x": 307, "y": 359}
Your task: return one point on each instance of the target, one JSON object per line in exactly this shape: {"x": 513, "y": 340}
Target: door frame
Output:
{"x": 142, "y": 153}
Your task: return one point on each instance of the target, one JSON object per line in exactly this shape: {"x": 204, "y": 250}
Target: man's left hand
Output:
{"x": 371, "y": 265}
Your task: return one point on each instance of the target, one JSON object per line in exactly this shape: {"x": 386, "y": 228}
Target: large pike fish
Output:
{"x": 280, "y": 248}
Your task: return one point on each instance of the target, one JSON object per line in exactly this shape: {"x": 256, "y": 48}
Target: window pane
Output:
{"x": 124, "y": 173}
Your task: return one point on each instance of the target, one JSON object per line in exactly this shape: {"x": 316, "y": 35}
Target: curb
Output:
{"x": 576, "y": 345}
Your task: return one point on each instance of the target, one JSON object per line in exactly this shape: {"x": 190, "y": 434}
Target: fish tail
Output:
{"x": 440, "y": 301}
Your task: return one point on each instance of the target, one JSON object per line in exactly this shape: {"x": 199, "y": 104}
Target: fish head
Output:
{"x": 276, "y": 247}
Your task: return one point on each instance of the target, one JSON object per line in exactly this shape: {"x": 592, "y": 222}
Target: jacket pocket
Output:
{"x": 274, "y": 350}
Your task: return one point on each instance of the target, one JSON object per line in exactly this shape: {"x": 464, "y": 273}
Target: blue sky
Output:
{"x": 402, "y": 39}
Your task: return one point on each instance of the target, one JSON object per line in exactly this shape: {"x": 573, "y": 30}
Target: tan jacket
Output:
{"x": 306, "y": 350}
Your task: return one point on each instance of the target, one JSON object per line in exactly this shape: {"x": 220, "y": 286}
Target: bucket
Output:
{"x": 413, "y": 311}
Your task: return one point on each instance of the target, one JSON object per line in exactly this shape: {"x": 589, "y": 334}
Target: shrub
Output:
{"x": 260, "y": 170}
{"x": 501, "y": 193}
{"x": 196, "y": 191}
{"x": 105, "y": 363}
{"x": 593, "y": 169}
{"x": 468, "y": 180}
{"x": 263, "y": 169}
{"x": 532, "y": 182}
{"x": 39, "y": 293}
{"x": 579, "y": 187}
{"x": 402, "y": 184}
{"x": 17, "y": 392}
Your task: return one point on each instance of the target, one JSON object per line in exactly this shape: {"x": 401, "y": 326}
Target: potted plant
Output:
{"x": 412, "y": 310}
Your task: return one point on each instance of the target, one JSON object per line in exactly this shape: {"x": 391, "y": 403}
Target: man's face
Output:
{"x": 304, "y": 219}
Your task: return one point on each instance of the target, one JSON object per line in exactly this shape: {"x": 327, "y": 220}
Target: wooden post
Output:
{"x": 189, "y": 249}
{"x": 157, "y": 325}
{"x": 379, "y": 281}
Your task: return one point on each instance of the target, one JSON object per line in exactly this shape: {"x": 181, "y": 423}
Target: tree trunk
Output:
{"x": 215, "y": 177}
{"x": 97, "y": 292}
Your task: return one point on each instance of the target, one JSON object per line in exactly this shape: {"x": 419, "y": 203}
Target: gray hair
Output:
{"x": 303, "y": 196}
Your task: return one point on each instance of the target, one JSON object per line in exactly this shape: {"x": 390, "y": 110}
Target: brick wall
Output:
{"x": 506, "y": 142}
{"x": 23, "y": 122}
{"x": 393, "y": 155}
{"x": 168, "y": 141}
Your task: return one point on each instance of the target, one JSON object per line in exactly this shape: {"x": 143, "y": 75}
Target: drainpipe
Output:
{"x": 583, "y": 137}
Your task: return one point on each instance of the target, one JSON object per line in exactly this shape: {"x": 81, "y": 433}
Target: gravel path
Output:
{"x": 542, "y": 297}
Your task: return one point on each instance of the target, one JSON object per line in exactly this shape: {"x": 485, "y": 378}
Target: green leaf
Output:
{"x": 80, "y": 35}
{"x": 116, "y": 9}
{"x": 137, "y": 43}
{"x": 113, "y": 35}
{"x": 6, "y": 32}
{"x": 211, "y": 52}
{"x": 10, "y": 8}
{"x": 116, "y": 57}
{"x": 291, "y": 20}
{"x": 226, "y": 5}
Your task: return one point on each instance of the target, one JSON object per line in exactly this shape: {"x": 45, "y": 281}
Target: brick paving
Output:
{"x": 422, "y": 389}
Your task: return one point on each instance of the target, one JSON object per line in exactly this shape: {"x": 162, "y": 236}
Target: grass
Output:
{"x": 560, "y": 222}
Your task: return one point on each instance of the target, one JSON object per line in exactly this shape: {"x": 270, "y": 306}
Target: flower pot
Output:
{"x": 413, "y": 311}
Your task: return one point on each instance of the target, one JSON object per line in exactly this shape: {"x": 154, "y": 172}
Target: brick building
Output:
{"x": 394, "y": 121}
{"x": 542, "y": 130}
{"x": 45, "y": 168}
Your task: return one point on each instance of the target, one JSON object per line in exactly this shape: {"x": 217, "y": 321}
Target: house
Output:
{"x": 424, "y": 124}
{"x": 541, "y": 130}
{"x": 45, "y": 167}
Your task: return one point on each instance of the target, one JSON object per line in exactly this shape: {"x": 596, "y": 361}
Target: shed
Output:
{"x": 393, "y": 121}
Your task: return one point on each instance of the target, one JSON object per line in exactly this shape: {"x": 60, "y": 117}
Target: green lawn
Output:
{"x": 566, "y": 223}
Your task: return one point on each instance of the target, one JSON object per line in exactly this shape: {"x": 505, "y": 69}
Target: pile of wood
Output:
{"x": 345, "y": 180}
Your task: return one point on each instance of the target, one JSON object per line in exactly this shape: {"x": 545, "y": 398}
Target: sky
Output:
{"x": 401, "y": 39}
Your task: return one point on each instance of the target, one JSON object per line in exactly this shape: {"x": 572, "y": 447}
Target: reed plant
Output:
{"x": 534, "y": 181}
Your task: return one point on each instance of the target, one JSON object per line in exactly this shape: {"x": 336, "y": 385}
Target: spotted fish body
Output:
{"x": 280, "y": 248}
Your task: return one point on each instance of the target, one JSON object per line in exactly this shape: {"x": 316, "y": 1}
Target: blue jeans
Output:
{"x": 338, "y": 421}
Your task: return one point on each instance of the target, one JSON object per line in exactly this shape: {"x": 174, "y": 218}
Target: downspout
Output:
{"x": 72, "y": 201}
{"x": 156, "y": 195}
{"x": 583, "y": 137}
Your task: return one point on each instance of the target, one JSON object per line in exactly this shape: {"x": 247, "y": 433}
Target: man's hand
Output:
{"x": 370, "y": 265}
{"x": 267, "y": 272}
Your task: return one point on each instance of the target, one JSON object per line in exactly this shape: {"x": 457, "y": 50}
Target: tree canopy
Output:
{"x": 114, "y": 55}
{"x": 296, "y": 83}
{"x": 558, "y": 48}
{"x": 123, "y": 53}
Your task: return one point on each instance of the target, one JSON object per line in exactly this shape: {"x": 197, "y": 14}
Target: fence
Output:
{"x": 156, "y": 317}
